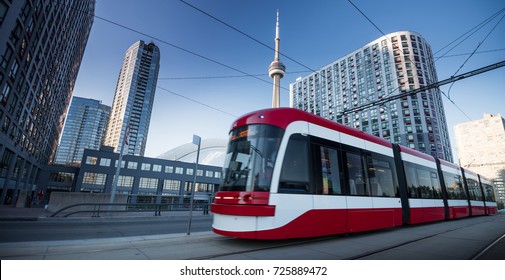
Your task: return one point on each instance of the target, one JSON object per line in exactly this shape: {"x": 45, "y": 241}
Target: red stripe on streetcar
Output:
{"x": 323, "y": 222}
{"x": 243, "y": 210}
{"x": 456, "y": 212}
{"x": 426, "y": 214}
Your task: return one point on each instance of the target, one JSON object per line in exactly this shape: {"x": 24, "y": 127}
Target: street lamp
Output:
{"x": 196, "y": 141}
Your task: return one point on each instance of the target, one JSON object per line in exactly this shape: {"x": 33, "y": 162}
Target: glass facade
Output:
{"x": 388, "y": 66}
{"x": 133, "y": 100}
{"x": 84, "y": 129}
{"x": 41, "y": 47}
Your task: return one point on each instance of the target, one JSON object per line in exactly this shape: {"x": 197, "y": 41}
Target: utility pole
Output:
{"x": 196, "y": 140}
{"x": 118, "y": 168}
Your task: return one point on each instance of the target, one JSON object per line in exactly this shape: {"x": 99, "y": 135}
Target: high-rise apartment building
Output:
{"x": 480, "y": 145}
{"x": 388, "y": 66}
{"x": 41, "y": 47}
{"x": 134, "y": 97}
{"x": 84, "y": 129}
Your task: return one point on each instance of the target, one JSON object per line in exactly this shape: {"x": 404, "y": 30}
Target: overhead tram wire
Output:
{"x": 221, "y": 77}
{"x": 382, "y": 105}
{"x": 468, "y": 58}
{"x": 174, "y": 46}
{"x": 463, "y": 54}
{"x": 179, "y": 48}
{"x": 433, "y": 85}
{"x": 427, "y": 87}
{"x": 247, "y": 35}
{"x": 478, "y": 46}
{"x": 198, "y": 102}
{"x": 478, "y": 26}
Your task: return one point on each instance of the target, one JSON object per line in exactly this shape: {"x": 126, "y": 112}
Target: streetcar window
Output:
{"x": 412, "y": 184}
{"x": 330, "y": 171}
{"x": 422, "y": 181}
{"x": 382, "y": 177}
{"x": 250, "y": 158}
{"x": 489, "y": 192}
{"x": 474, "y": 189}
{"x": 295, "y": 168}
{"x": 424, "y": 190}
{"x": 358, "y": 179}
{"x": 454, "y": 186}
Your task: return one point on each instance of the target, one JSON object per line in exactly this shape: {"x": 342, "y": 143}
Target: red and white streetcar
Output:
{"x": 291, "y": 174}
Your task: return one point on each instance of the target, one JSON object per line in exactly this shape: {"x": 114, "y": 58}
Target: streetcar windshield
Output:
{"x": 250, "y": 158}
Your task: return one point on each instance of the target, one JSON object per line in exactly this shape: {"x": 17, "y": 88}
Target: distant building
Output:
{"x": 134, "y": 98}
{"x": 84, "y": 129}
{"x": 138, "y": 175}
{"x": 41, "y": 47}
{"x": 499, "y": 185}
{"x": 481, "y": 145}
{"x": 388, "y": 66}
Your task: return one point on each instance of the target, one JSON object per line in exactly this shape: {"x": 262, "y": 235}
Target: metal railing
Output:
{"x": 99, "y": 208}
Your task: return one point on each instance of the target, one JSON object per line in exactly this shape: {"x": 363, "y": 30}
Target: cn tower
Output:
{"x": 276, "y": 69}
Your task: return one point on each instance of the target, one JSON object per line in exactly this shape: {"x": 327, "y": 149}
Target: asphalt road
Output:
{"x": 23, "y": 231}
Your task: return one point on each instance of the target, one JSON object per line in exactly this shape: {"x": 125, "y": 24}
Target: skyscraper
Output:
{"x": 84, "y": 129}
{"x": 134, "y": 97}
{"x": 390, "y": 65}
{"x": 276, "y": 70}
{"x": 480, "y": 145}
{"x": 41, "y": 47}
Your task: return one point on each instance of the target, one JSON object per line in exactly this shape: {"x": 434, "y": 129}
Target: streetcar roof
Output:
{"x": 282, "y": 117}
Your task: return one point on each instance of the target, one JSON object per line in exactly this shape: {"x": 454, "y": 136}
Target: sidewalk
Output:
{"x": 10, "y": 213}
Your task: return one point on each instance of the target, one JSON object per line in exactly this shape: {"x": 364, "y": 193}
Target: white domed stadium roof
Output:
{"x": 212, "y": 152}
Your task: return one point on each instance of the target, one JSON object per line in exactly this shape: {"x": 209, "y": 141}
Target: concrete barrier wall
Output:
{"x": 59, "y": 200}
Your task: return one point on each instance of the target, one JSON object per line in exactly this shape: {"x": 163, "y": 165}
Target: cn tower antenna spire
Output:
{"x": 277, "y": 68}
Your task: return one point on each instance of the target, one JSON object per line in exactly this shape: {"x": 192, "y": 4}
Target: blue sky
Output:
{"x": 314, "y": 33}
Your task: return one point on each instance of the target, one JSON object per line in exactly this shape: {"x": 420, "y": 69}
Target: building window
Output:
{"x": 125, "y": 181}
{"x": 5, "y": 93}
{"x": 94, "y": 178}
{"x": 148, "y": 183}
{"x": 156, "y": 168}
{"x": 91, "y": 160}
{"x": 172, "y": 185}
{"x": 63, "y": 177}
{"x": 132, "y": 165}
{"x": 6, "y": 56}
{"x": 146, "y": 167}
{"x": 105, "y": 162}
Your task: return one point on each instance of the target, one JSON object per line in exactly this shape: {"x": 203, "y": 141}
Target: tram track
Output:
{"x": 388, "y": 248}
{"x": 207, "y": 246}
{"x": 363, "y": 255}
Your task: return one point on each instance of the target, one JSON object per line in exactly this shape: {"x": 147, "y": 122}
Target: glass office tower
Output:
{"x": 388, "y": 66}
{"x": 41, "y": 47}
{"x": 84, "y": 129}
{"x": 133, "y": 100}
